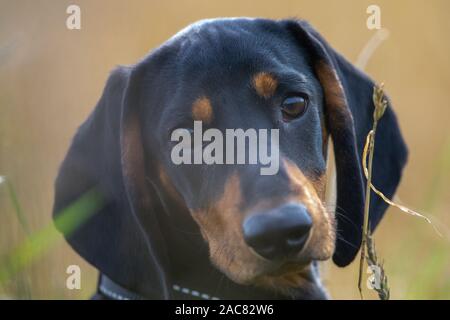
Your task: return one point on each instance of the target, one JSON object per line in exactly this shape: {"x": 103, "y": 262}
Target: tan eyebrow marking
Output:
{"x": 265, "y": 84}
{"x": 202, "y": 110}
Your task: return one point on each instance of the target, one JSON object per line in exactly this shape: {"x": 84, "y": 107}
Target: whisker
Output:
{"x": 358, "y": 229}
{"x": 338, "y": 237}
{"x": 339, "y": 211}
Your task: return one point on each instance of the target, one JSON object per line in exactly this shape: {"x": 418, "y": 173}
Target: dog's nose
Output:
{"x": 278, "y": 233}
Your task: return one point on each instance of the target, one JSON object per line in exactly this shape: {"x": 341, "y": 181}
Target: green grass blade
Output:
{"x": 67, "y": 221}
{"x": 16, "y": 204}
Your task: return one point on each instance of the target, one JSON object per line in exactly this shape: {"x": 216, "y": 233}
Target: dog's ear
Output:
{"x": 123, "y": 239}
{"x": 349, "y": 116}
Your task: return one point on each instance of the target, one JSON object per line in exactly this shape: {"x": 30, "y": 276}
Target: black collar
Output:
{"x": 112, "y": 290}
{"x": 115, "y": 291}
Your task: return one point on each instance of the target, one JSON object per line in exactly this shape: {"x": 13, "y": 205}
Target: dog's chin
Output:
{"x": 291, "y": 279}
{"x": 270, "y": 275}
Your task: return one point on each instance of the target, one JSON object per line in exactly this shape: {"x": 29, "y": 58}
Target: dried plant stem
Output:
{"x": 382, "y": 287}
{"x": 367, "y": 243}
{"x": 380, "y": 106}
{"x": 366, "y": 207}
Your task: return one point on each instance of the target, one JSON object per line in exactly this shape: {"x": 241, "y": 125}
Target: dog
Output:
{"x": 212, "y": 231}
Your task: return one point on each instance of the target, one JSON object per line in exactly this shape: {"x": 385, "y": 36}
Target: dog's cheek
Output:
{"x": 209, "y": 225}
{"x": 323, "y": 239}
{"x": 310, "y": 192}
{"x": 326, "y": 226}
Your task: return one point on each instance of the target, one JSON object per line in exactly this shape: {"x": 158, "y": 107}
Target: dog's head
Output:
{"x": 277, "y": 86}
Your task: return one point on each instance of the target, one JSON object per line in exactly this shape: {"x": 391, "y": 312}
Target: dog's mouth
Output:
{"x": 280, "y": 270}
{"x": 261, "y": 273}
{"x": 286, "y": 277}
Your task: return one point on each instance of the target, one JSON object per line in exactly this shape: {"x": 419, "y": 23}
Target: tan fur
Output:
{"x": 321, "y": 241}
{"x": 265, "y": 84}
{"x": 168, "y": 186}
{"x": 133, "y": 162}
{"x": 202, "y": 110}
{"x": 331, "y": 187}
{"x": 287, "y": 279}
{"x": 334, "y": 92}
{"x": 221, "y": 227}
{"x": 338, "y": 114}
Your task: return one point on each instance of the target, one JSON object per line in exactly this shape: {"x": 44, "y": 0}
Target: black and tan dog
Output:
{"x": 205, "y": 231}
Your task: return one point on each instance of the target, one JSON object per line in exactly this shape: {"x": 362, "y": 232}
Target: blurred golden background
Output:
{"x": 52, "y": 77}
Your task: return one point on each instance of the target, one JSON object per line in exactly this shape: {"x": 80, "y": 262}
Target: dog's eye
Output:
{"x": 294, "y": 107}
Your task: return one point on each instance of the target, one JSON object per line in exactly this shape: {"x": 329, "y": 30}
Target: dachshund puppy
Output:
{"x": 224, "y": 230}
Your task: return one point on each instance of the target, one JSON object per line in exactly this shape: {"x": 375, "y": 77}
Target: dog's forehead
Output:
{"x": 224, "y": 26}
{"x": 224, "y": 45}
